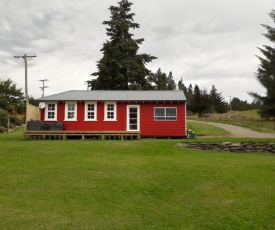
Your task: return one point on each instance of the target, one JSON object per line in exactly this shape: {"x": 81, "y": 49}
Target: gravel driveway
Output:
{"x": 236, "y": 131}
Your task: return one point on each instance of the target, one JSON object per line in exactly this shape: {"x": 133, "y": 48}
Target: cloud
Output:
{"x": 204, "y": 42}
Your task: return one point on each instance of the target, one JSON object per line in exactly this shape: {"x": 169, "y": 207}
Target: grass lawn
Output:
{"x": 204, "y": 129}
{"x": 146, "y": 184}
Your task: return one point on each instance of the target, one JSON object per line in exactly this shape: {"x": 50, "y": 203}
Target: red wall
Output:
{"x": 148, "y": 126}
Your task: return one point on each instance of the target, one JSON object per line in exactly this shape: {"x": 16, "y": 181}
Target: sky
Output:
{"x": 204, "y": 42}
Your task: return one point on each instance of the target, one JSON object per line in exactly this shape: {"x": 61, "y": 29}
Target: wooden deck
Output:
{"x": 63, "y": 135}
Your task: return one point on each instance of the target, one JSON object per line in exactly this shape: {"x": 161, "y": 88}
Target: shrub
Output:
{"x": 13, "y": 120}
{"x": 3, "y": 118}
{"x": 16, "y": 121}
{"x": 191, "y": 133}
{"x": 3, "y": 129}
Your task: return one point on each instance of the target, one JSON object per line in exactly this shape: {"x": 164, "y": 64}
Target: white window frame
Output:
{"x": 46, "y": 118}
{"x": 67, "y": 111}
{"x": 106, "y": 111}
{"x": 86, "y": 111}
{"x": 165, "y": 116}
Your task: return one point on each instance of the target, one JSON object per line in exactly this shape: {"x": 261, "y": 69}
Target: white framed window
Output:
{"x": 90, "y": 111}
{"x": 70, "y": 111}
{"x": 110, "y": 111}
{"x": 51, "y": 111}
{"x": 165, "y": 114}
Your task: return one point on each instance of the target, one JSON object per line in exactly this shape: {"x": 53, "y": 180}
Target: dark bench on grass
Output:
{"x": 39, "y": 126}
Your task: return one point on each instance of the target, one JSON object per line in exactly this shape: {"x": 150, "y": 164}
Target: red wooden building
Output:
{"x": 152, "y": 113}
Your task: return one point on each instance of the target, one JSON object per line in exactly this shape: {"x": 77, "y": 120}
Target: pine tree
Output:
{"x": 205, "y": 103}
{"x": 182, "y": 87}
{"x": 121, "y": 67}
{"x": 195, "y": 102}
{"x": 190, "y": 91}
{"x": 200, "y": 102}
{"x": 171, "y": 85}
{"x": 218, "y": 103}
{"x": 160, "y": 81}
{"x": 266, "y": 73}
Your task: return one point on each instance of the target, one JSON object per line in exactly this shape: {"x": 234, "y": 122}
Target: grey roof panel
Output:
{"x": 116, "y": 95}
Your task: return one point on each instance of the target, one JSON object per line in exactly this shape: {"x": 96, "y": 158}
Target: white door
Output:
{"x": 133, "y": 118}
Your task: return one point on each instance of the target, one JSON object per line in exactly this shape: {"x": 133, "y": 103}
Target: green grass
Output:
{"x": 147, "y": 184}
{"x": 205, "y": 129}
{"x": 248, "y": 113}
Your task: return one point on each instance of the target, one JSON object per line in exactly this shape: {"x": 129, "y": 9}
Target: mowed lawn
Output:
{"x": 205, "y": 129}
{"x": 146, "y": 184}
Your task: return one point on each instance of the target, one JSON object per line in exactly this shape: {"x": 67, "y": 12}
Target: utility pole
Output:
{"x": 43, "y": 87}
{"x": 25, "y": 58}
{"x": 89, "y": 84}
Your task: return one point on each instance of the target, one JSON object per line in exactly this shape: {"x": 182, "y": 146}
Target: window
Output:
{"x": 165, "y": 114}
{"x": 70, "y": 111}
{"x": 90, "y": 111}
{"x": 110, "y": 111}
{"x": 50, "y": 112}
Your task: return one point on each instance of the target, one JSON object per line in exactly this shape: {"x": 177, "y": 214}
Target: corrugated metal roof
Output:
{"x": 116, "y": 95}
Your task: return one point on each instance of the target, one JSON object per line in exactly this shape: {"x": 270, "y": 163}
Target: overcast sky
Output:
{"x": 204, "y": 42}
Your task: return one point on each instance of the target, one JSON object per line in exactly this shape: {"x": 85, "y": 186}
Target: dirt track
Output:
{"x": 236, "y": 131}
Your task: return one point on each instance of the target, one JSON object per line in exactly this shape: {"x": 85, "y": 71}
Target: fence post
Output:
{"x": 8, "y": 124}
{"x": 252, "y": 120}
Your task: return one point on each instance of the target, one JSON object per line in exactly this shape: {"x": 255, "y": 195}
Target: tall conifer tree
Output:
{"x": 190, "y": 91}
{"x": 217, "y": 101}
{"x": 182, "y": 87}
{"x": 266, "y": 73}
{"x": 171, "y": 85}
{"x": 121, "y": 67}
{"x": 159, "y": 80}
